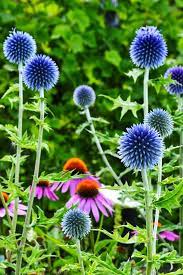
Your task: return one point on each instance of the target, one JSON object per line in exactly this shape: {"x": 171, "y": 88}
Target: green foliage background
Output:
{"x": 87, "y": 50}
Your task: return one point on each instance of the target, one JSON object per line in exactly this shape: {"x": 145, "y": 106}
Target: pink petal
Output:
{"x": 170, "y": 236}
{"x": 55, "y": 185}
{"x": 82, "y": 204}
{"x": 73, "y": 200}
{"x": 95, "y": 210}
{"x": 101, "y": 207}
{"x": 104, "y": 203}
{"x": 2, "y": 212}
{"x": 50, "y": 194}
{"x": 87, "y": 206}
{"x": 39, "y": 192}
{"x": 65, "y": 186}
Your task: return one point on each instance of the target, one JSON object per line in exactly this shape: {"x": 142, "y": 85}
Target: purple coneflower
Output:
{"x": 21, "y": 208}
{"x": 89, "y": 199}
{"x": 77, "y": 166}
{"x": 45, "y": 188}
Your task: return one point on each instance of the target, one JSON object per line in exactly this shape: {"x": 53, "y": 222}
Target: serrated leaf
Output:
{"x": 171, "y": 199}
{"x": 14, "y": 88}
{"x": 160, "y": 82}
{"x": 126, "y": 105}
{"x": 134, "y": 73}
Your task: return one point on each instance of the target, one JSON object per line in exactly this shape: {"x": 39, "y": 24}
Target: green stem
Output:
{"x": 146, "y": 79}
{"x": 158, "y": 194}
{"x": 99, "y": 147}
{"x": 149, "y": 220}
{"x": 33, "y": 188}
{"x": 18, "y": 153}
{"x": 180, "y": 107}
{"x": 100, "y": 228}
{"x": 80, "y": 257}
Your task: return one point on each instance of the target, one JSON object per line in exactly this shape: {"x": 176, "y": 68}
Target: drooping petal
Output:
{"x": 39, "y": 192}
{"x": 2, "y": 212}
{"x": 72, "y": 201}
{"x": 82, "y": 204}
{"x": 101, "y": 207}
{"x": 101, "y": 198}
{"x": 65, "y": 186}
{"x": 50, "y": 194}
{"x": 55, "y": 185}
{"x": 87, "y": 206}
{"x": 95, "y": 210}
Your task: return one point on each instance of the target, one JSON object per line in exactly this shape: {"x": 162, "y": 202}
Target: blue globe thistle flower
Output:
{"x": 148, "y": 49}
{"x": 76, "y": 224}
{"x": 41, "y": 72}
{"x": 84, "y": 96}
{"x": 19, "y": 47}
{"x": 176, "y": 74}
{"x": 161, "y": 121}
{"x": 140, "y": 147}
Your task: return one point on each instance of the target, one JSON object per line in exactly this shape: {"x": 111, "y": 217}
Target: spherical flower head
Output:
{"x": 176, "y": 74}
{"x": 41, "y": 72}
{"x": 19, "y": 47}
{"x": 76, "y": 224}
{"x": 84, "y": 96}
{"x": 148, "y": 49}
{"x": 161, "y": 121}
{"x": 141, "y": 147}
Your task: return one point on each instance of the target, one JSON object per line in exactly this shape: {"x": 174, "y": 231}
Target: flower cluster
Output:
{"x": 84, "y": 96}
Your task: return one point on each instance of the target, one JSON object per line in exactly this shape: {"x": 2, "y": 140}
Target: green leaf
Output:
{"x": 80, "y": 18}
{"x": 113, "y": 57}
{"x": 160, "y": 82}
{"x": 76, "y": 43}
{"x": 171, "y": 199}
{"x": 12, "y": 89}
{"x": 134, "y": 73}
{"x": 126, "y": 106}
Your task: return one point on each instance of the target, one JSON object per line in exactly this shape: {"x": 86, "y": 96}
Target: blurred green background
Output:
{"x": 89, "y": 40}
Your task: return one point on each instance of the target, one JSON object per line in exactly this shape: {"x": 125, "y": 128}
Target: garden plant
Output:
{"x": 86, "y": 189}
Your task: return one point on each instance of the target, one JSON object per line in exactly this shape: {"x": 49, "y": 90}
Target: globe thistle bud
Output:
{"x": 176, "y": 74}
{"x": 76, "y": 224}
{"x": 148, "y": 49}
{"x": 19, "y": 47}
{"x": 41, "y": 72}
{"x": 84, "y": 96}
{"x": 161, "y": 121}
{"x": 140, "y": 147}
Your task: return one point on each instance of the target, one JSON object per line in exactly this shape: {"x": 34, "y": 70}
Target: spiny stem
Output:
{"x": 99, "y": 147}
{"x": 33, "y": 188}
{"x": 80, "y": 257}
{"x": 158, "y": 194}
{"x": 149, "y": 220}
{"x": 18, "y": 153}
{"x": 180, "y": 107}
{"x": 146, "y": 79}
